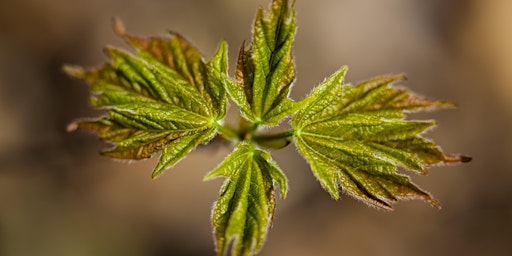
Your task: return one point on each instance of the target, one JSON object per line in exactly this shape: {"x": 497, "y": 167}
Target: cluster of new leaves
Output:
{"x": 166, "y": 98}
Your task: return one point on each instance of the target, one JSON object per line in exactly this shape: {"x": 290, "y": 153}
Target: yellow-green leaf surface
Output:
{"x": 354, "y": 137}
{"x": 243, "y": 213}
{"x": 266, "y": 71}
{"x": 162, "y": 98}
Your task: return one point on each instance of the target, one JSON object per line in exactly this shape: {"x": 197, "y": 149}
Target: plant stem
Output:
{"x": 274, "y": 141}
{"x": 228, "y": 133}
{"x": 247, "y": 133}
{"x": 274, "y": 136}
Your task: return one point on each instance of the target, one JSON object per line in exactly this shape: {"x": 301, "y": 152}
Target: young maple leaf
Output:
{"x": 246, "y": 205}
{"x": 164, "y": 98}
{"x": 266, "y": 72}
{"x": 354, "y": 137}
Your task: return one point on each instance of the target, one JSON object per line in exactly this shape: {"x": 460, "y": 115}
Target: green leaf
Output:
{"x": 164, "y": 98}
{"x": 217, "y": 74}
{"x": 180, "y": 59}
{"x": 354, "y": 137}
{"x": 244, "y": 211}
{"x": 266, "y": 71}
{"x": 177, "y": 149}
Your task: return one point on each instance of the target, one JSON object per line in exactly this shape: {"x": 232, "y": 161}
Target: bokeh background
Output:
{"x": 59, "y": 197}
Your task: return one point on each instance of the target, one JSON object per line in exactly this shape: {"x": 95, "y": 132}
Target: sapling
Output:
{"x": 165, "y": 98}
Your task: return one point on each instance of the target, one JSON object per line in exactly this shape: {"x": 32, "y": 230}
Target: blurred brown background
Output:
{"x": 59, "y": 197}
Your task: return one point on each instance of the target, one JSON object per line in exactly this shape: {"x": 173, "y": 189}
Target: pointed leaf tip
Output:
{"x": 74, "y": 71}
{"x": 465, "y": 159}
{"x": 118, "y": 26}
{"x": 72, "y": 127}
{"x": 457, "y": 159}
